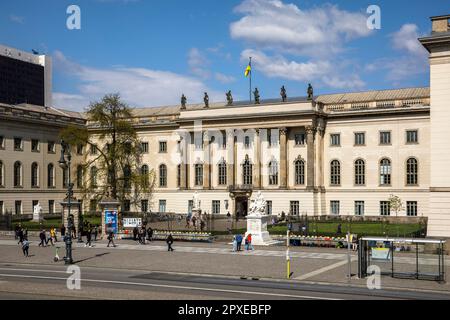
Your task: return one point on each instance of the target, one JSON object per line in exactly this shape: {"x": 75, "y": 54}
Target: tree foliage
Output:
{"x": 396, "y": 204}
{"x": 112, "y": 166}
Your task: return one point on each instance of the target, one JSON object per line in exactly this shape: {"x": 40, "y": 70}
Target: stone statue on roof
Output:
{"x": 283, "y": 94}
{"x": 229, "y": 98}
{"x": 206, "y": 100}
{"x": 256, "y": 94}
{"x": 183, "y": 101}
{"x": 310, "y": 92}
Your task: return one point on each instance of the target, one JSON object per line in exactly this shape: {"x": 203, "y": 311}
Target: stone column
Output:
{"x": 206, "y": 163}
{"x": 188, "y": 163}
{"x": 283, "y": 158}
{"x": 75, "y": 210}
{"x": 310, "y": 172}
{"x": 230, "y": 157}
{"x": 183, "y": 168}
{"x": 258, "y": 180}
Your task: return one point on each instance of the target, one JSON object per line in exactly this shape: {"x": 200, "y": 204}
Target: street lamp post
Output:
{"x": 65, "y": 165}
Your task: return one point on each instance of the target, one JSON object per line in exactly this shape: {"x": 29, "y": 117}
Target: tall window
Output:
{"x": 385, "y": 137}
{"x": 360, "y": 138}
{"x": 2, "y": 210}
{"x": 411, "y": 208}
{"x": 18, "y": 144}
{"x": 294, "y": 208}
{"x": 269, "y": 207}
{"x": 412, "y": 136}
{"x": 50, "y": 176}
{"x": 247, "y": 172}
{"x": 247, "y": 142}
{"x": 335, "y": 140}
{"x": 273, "y": 172}
{"x": 222, "y": 173}
{"x": 35, "y": 145}
{"x": 17, "y": 174}
{"x": 65, "y": 174}
{"x": 127, "y": 177}
{"x": 179, "y": 175}
{"x": 93, "y": 150}
{"x": 51, "y": 147}
{"x": 34, "y": 175}
{"x": 51, "y": 206}
{"x": 144, "y": 175}
{"x": 335, "y": 207}
{"x": 359, "y": 208}
{"x": 80, "y": 149}
{"x": 144, "y": 205}
{"x": 79, "y": 176}
{"x": 215, "y": 207}
{"x": 335, "y": 173}
{"x": 199, "y": 174}
{"x": 162, "y": 176}
{"x": 360, "y": 172}
{"x": 94, "y": 177}
{"x": 300, "y": 139}
{"x": 411, "y": 172}
{"x": 299, "y": 172}
{"x": 385, "y": 208}
{"x": 162, "y": 146}
{"x": 162, "y": 206}
{"x": 2, "y": 142}
{"x": 385, "y": 172}
{"x": 144, "y": 147}
{"x": 2, "y": 174}
{"x": 18, "y": 207}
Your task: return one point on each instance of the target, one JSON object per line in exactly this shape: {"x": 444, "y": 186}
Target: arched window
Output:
{"x": 66, "y": 181}
{"x": 80, "y": 176}
{"x": 247, "y": 172}
{"x": 144, "y": 175}
{"x": 127, "y": 177}
{"x": 2, "y": 174}
{"x": 385, "y": 172}
{"x": 335, "y": 173}
{"x": 273, "y": 173}
{"x": 360, "y": 172}
{"x": 50, "y": 176}
{"x": 17, "y": 174}
{"x": 199, "y": 174}
{"x": 162, "y": 176}
{"x": 412, "y": 172}
{"x": 34, "y": 175}
{"x": 222, "y": 173}
{"x": 94, "y": 177}
{"x": 299, "y": 172}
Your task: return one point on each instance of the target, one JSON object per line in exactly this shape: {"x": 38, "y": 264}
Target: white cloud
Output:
{"x": 323, "y": 71}
{"x": 272, "y": 24}
{"x": 17, "y": 19}
{"x": 198, "y": 64}
{"x": 139, "y": 87}
{"x": 223, "y": 78}
{"x": 406, "y": 40}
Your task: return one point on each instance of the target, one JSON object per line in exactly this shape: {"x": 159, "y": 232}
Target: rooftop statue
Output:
{"x": 310, "y": 92}
{"x": 256, "y": 94}
{"x": 206, "y": 100}
{"x": 229, "y": 98}
{"x": 183, "y": 101}
{"x": 283, "y": 94}
{"x": 258, "y": 207}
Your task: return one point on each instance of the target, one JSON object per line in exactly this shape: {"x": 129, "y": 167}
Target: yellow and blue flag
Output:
{"x": 248, "y": 71}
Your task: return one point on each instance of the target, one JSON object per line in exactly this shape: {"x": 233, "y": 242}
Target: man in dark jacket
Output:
{"x": 63, "y": 231}
{"x": 150, "y": 233}
{"x": 169, "y": 243}
{"x": 239, "y": 242}
{"x": 20, "y": 235}
{"x": 88, "y": 237}
{"x": 42, "y": 237}
{"x": 135, "y": 233}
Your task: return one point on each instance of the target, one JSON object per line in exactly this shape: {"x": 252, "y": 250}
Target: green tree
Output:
{"x": 115, "y": 153}
{"x": 396, "y": 204}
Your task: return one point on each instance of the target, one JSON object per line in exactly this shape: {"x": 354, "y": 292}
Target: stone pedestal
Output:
{"x": 75, "y": 210}
{"x": 257, "y": 227}
{"x": 110, "y": 209}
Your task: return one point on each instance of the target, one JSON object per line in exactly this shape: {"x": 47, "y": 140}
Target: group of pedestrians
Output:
{"x": 47, "y": 236}
{"x": 22, "y": 235}
{"x": 195, "y": 222}
{"x": 237, "y": 243}
{"x": 142, "y": 234}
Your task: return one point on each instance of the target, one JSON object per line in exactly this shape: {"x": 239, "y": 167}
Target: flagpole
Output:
{"x": 251, "y": 71}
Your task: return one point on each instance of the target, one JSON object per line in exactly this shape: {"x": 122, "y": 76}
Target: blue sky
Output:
{"x": 152, "y": 51}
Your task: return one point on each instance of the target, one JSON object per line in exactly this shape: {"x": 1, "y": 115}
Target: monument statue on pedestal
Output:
{"x": 37, "y": 211}
{"x": 258, "y": 207}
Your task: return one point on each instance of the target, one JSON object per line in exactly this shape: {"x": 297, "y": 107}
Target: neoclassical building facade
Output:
{"x": 337, "y": 154}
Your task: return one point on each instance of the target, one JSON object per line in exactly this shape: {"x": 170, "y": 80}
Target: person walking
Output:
{"x": 20, "y": 235}
{"x": 95, "y": 232}
{"x": 188, "y": 222}
{"x": 238, "y": 242}
{"x": 16, "y": 232}
{"x": 88, "y": 237}
{"x": 25, "y": 247}
{"x": 110, "y": 236}
{"x": 234, "y": 244}
{"x": 42, "y": 238}
{"x": 53, "y": 234}
{"x": 202, "y": 225}
{"x": 48, "y": 238}
{"x": 135, "y": 233}
{"x": 63, "y": 231}
{"x": 169, "y": 242}
{"x": 150, "y": 234}
{"x": 143, "y": 234}
{"x": 248, "y": 242}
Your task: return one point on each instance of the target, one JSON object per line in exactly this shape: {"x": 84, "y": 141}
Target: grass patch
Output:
{"x": 56, "y": 223}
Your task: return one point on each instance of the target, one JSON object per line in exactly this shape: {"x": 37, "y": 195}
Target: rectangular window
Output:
{"x": 1, "y": 208}
{"x": 412, "y": 136}
{"x": 269, "y": 207}
{"x": 190, "y": 206}
{"x": 80, "y": 149}
{"x": 2, "y": 143}
{"x": 126, "y": 206}
{"x": 411, "y": 208}
{"x": 385, "y": 137}
{"x": 385, "y": 208}
{"x": 18, "y": 144}
{"x": 360, "y": 138}
{"x": 51, "y": 147}
{"x": 18, "y": 207}
{"x": 162, "y": 206}
{"x": 51, "y": 206}
{"x": 247, "y": 142}
{"x": 335, "y": 139}
{"x": 93, "y": 150}
{"x": 359, "y": 208}
{"x": 335, "y": 207}
{"x": 144, "y": 147}
{"x": 216, "y": 207}
{"x": 144, "y": 206}
{"x": 300, "y": 139}
{"x": 35, "y": 145}
{"x": 295, "y": 208}
{"x": 162, "y": 146}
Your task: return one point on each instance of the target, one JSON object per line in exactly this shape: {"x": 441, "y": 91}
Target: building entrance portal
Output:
{"x": 241, "y": 207}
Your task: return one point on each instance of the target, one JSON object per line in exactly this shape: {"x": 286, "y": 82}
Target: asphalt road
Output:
{"x": 22, "y": 281}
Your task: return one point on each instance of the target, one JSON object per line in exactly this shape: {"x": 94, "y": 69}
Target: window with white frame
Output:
{"x": 162, "y": 176}
{"x": 162, "y": 206}
{"x": 144, "y": 147}
{"x": 360, "y": 172}
{"x": 335, "y": 139}
{"x": 222, "y": 170}
{"x": 359, "y": 208}
{"x": 144, "y": 206}
{"x": 412, "y": 136}
{"x": 385, "y": 172}
{"x": 50, "y": 175}
{"x": 335, "y": 173}
{"x": 18, "y": 174}
{"x": 335, "y": 207}
{"x": 269, "y": 207}
{"x": 411, "y": 208}
{"x": 412, "y": 169}
{"x": 299, "y": 172}
{"x": 273, "y": 173}
{"x": 163, "y": 147}
{"x": 247, "y": 172}
{"x": 215, "y": 207}
{"x": 199, "y": 174}
{"x": 34, "y": 175}
{"x": 360, "y": 138}
{"x": 385, "y": 137}
{"x": 18, "y": 207}
{"x": 300, "y": 139}
{"x": 294, "y": 208}
{"x": 18, "y": 144}
{"x": 385, "y": 208}
{"x": 51, "y": 147}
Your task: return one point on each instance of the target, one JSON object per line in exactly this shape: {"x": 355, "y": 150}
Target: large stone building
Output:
{"x": 338, "y": 154}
